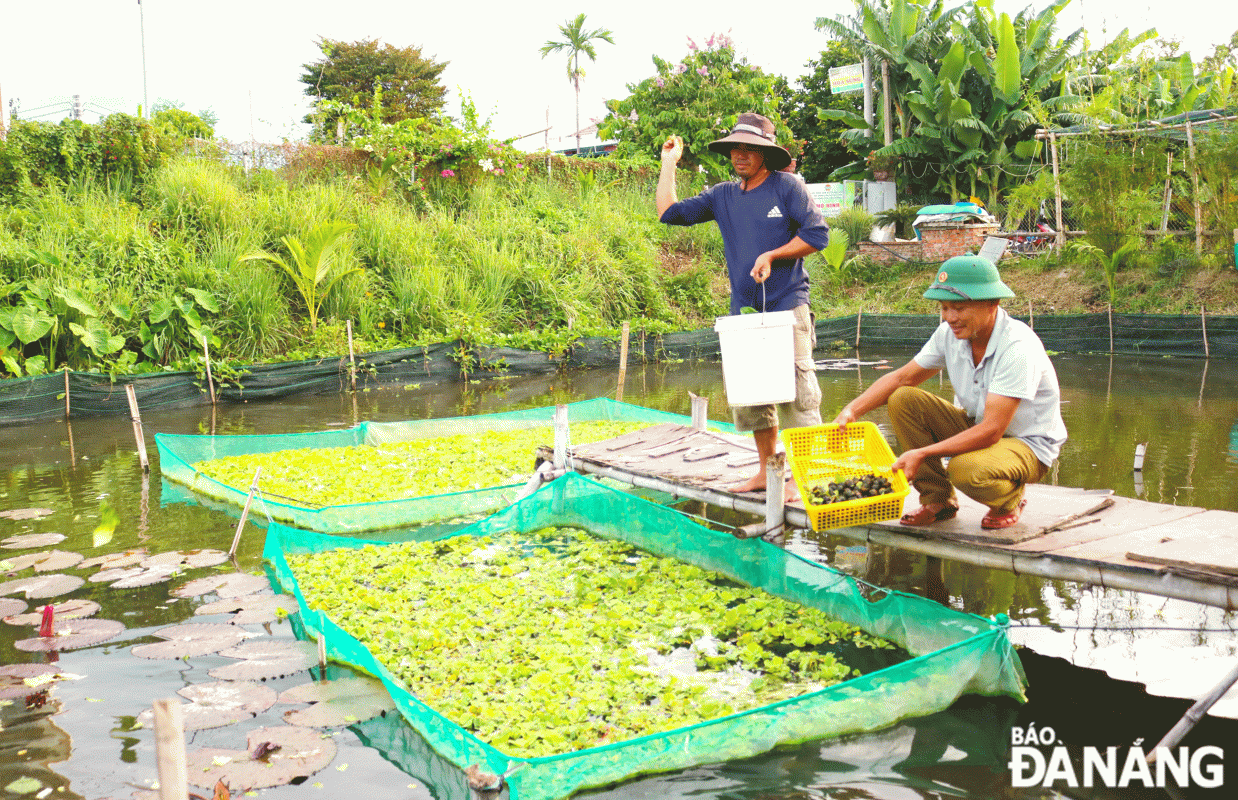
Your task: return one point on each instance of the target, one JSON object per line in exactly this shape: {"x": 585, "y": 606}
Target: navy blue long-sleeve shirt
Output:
{"x": 755, "y": 222}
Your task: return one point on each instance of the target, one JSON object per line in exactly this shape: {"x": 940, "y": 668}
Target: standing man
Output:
{"x": 1005, "y": 427}
{"x": 768, "y": 224}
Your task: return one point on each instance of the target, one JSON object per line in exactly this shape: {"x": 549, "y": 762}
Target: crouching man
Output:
{"x": 1005, "y": 427}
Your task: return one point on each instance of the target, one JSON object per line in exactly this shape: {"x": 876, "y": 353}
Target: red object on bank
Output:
{"x": 46, "y": 629}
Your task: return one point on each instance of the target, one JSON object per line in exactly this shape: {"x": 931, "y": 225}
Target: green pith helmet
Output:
{"x": 968, "y": 278}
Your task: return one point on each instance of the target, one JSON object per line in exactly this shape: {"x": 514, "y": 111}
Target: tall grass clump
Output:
{"x": 198, "y": 198}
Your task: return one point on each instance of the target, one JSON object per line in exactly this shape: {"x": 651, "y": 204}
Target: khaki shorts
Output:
{"x": 806, "y": 408}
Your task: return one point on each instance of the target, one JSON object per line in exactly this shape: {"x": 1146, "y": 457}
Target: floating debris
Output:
{"x": 263, "y": 659}
{"x": 42, "y": 586}
{"x": 23, "y": 541}
{"x": 214, "y": 705}
{"x": 336, "y": 703}
{"x": 69, "y": 609}
{"x": 252, "y": 609}
{"x": 232, "y": 584}
{"x": 50, "y": 561}
{"x": 192, "y": 639}
{"x": 73, "y": 636}
{"x": 301, "y": 752}
{"x": 26, "y": 513}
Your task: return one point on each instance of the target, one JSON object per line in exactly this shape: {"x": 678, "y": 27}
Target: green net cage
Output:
{"x": 178, "y": 453}
{"x": 952, "y": 653}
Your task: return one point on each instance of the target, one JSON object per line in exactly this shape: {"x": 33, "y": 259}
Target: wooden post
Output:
{"x": 775, "y": 494}
{"x": 352, "y": 366}
{"x": 138, "y": 436}
{"x": 170, "y": 749}
{"x": 253, "y": 488}
{"x": 1168, "y": 194}
{"x": 1199, "y": 218}
{"x": 1194, "y": 714}
{"x": 1111, "y": 329}
{"x": 561, "y": 433}
{"x": 210, "y": 381}
{"x": 859, "y": 315}
{"x": 623, "y": 360}
{"x": 68, "y": 412}
{"x": 1203, "y": 326}
{"x": 886, "y": 104}
{"x": 700, "y": 412}
{"x": 1057, "y": 192}
{"x": 1031, "y": 321}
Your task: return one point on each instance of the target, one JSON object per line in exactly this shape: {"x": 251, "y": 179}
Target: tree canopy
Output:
{"x": 823, "y": 150}
{"x": 350, "y": 72}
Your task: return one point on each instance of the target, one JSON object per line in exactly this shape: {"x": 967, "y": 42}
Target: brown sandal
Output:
{"x": 991, "y": 522}
{"x": 927, "y": 516}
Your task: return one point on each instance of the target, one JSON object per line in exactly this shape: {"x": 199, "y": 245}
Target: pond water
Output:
{"x": 1106, "y": 668}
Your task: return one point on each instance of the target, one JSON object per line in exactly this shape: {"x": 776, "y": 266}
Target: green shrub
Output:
{"x": 856, "y": 223}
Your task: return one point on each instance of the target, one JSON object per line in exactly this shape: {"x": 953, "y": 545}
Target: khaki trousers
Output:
{"x": 994, "y": 476}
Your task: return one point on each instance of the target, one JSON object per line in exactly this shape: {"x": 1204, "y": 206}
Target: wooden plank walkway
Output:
{"x": 1072, "y": 534}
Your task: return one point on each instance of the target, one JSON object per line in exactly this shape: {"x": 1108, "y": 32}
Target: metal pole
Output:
{"x": 561, "y": 432}
{"x": 1199, "y": 219}
{"x": 142, "y": 27}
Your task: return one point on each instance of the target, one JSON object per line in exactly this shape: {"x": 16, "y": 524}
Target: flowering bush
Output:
{"x": 698, "y": 98}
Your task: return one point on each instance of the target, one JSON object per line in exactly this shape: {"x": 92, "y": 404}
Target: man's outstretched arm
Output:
{"x": 665, "y": 197}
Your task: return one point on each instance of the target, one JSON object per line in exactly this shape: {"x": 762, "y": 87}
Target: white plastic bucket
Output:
{"x": 758, "y": 357}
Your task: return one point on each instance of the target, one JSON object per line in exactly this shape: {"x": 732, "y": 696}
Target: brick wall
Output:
{"x": 938, "y": 241}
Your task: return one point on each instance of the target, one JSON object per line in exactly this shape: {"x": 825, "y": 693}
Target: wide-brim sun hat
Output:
{"x": 968, "y": 278}
{"x": 758, "y": 131}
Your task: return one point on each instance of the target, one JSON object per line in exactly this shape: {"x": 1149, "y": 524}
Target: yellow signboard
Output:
{"x": 847, "y": 79}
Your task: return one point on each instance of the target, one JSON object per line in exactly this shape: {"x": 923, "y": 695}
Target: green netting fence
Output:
{"x": 179, "y": 452}
{"x": 41, "y": 398}
{"x": 953, "y": 653}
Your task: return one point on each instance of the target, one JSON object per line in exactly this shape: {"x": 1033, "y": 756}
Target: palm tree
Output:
{"x": 577, "y": 40}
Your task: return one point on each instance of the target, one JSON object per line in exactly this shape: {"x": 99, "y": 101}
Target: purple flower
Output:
{"x": 710, "y": 41}
{"x": 691, "y": 44}
{"x": 702, "y": 71}
{"x": 679, "y": 69}
{"x": 447, "y": 174}
{"x": 659, "y": 82}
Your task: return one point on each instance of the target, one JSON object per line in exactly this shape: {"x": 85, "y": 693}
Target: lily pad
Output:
{"x": 115, "y": 574}
{"x": 232, "y": 584}
{"x": 336, "y": 703}
{"x": 214, "y": 705}
{"x": 14, "y": 678}
{"x": 191, "y": 639}
{"x": 189, "y": 558}
{"x": 23, "y": 541}
{"x": 252, "y": 609}
{"x": 265, "y": 658}
{"x": 73, "y": 635}
{"x": 25, "y": 513}
{"x": 49, "y": 561}
{"x": 129, "y": 558}
{"x": 69, "y": 609}
{"x": 299, "y": 752}
{"x": 41, "y": 586}
{"x": 148, "y": 577}
{"x": 11, "y": 605}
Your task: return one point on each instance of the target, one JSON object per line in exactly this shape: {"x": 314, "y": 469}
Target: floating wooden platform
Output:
{"x": 1089, "y": 536}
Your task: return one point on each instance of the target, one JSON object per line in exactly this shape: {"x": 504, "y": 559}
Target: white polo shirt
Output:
{"x": 1015, "y": 364}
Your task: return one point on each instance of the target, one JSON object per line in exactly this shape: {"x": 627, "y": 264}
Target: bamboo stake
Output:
{"x": 623, "y": 360}
{"x": 700, "y": 412}
{"x": 1111, "y": 329}
{"x": 67, "y": 411}
{"x": 352, "y": 366}
{"x": 1203, "y": 325}
{"x": 1031, "y": 321}
{"x": 68, "y": 426}
{"x": 561, "y": 434}
{"x": 1199, "y": 220}
{"x": 859, "y": 315}
{"x": 210, "y": 381}
{"x": 253, "y": 487}
{"x": 170, "y": 749}
{"x": 138, "y": 436}
{"x": 1194, "y": 714}
{"x": 1057, "y": 192}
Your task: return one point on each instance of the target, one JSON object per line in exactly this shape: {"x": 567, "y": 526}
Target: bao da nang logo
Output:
{"x": 1038, "y": 759}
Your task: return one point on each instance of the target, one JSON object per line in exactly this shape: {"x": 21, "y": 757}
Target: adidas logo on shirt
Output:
{"x": 774, "y": 213}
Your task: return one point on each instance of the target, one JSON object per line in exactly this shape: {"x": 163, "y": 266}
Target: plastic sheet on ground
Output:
{"x": 953, "y": 653}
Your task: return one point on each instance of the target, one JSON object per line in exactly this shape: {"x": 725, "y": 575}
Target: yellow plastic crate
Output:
{"x": 822, "y": 453}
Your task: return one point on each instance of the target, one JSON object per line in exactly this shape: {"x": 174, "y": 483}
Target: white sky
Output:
{"x": 242, "y": 58}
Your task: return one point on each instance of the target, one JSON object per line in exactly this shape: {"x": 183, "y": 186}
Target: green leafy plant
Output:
{"x": 855, "y": 222}
{"x": 316, "y": 264}
{"x": 173, "y": 327}
{"x": 1109, "y": 262}
{"x": 901, "y": 216}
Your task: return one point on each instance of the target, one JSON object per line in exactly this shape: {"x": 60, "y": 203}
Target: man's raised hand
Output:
{"x": 672, "y": 150}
